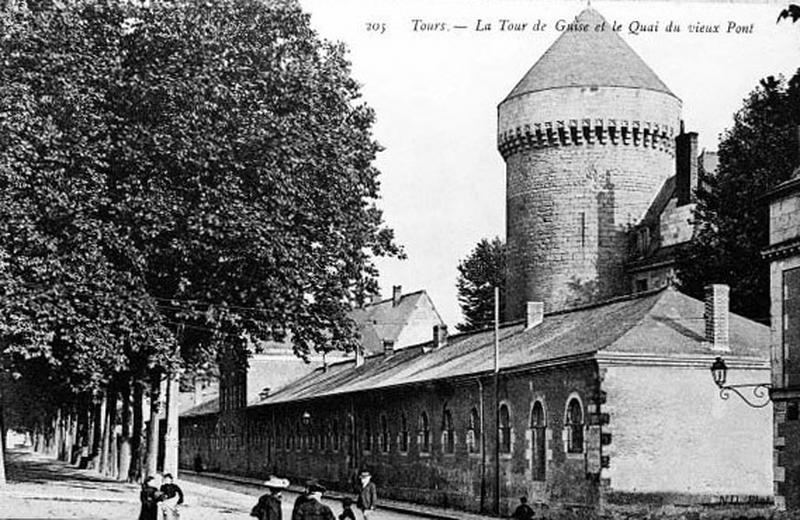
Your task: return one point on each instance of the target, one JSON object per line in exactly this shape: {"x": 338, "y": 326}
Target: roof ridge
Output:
{"x": 609, "y": 301}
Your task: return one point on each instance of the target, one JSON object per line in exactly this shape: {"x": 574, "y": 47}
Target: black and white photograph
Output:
{"x": 380, "y": 260}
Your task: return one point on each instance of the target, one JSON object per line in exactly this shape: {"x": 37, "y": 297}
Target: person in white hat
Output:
{"x": 269, "y": 504}
{"x": 367, "y": 495}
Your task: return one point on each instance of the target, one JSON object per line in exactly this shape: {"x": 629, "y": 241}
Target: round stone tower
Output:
{"x": 588, "y": 139}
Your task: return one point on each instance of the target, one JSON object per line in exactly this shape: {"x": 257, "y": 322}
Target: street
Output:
{"x": 40, "y": 487}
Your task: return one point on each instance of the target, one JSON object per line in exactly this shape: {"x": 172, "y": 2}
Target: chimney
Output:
{"x": 439, "y": 335}
{"x": 716, "y": 316}
{"x": 388, "y": 346}
{"x": 397, "y": 293}
{"x": 359, "y": 356}
{"x": 534, "y": 314}
{"x": 686, "y": 173}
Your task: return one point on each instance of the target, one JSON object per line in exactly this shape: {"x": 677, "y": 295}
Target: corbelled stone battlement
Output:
{"x": 587, "y": 132}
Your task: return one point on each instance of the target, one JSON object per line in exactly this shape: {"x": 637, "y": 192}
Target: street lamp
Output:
{"x": 760, "y": 391}
{"x": 306, "y": 417}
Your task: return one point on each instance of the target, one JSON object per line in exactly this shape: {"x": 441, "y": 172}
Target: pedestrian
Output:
{"x": 198, "y": 463}
{"x": 150, "y": 497}
{"x": 347, "y": 509}
{"x": 313, "y": 508}
{"x": 269, "y": 504}
{"x": 523, "y": 511}
{"x": 301, "y": 498}
{"x": 171, "y": 500}
{"x": 367, "y": 495}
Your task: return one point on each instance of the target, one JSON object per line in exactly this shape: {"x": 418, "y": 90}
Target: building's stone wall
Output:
{"x": 572, "y": 194}
{"x": 673, "y": 434}
{"x": 784, "y": 219}
{"x": 675, "y": 223}
{"x": 456, "y": 480}
{"x": 568, "y": 211}
{"x": 785, "y": 226}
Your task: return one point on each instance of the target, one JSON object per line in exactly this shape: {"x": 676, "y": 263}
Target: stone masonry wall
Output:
{"x": 276, "y": 440}
{"x": 582, "y": 165}
{"x": 785, "y": 225}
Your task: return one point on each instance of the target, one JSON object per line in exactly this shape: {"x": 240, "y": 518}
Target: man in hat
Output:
{"x": 367, "y": 495}
{"x": 313, "y": 508}
{"x": 302, "y": 498}
{"x": 269, "y": 504}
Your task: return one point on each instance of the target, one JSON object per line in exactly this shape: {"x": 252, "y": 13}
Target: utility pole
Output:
{"x": 497, "y": 401}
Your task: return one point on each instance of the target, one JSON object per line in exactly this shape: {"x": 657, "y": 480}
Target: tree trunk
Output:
{"x": 109, "y": 415}
{"x": 137, "y": 436}
{"x": 171, "y": 438}
{"x": 2, "y": 429}
{"x": 151, "y": 459}
{"x": 98, "y": 415}
{"x": 57, "y": 434}
{"x": 70, "y": 444}
{"x": 81, "y": 454}
{"x": 125, "y": 438}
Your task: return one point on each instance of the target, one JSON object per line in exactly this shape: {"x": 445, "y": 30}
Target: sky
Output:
{"x": 435, "y": 93}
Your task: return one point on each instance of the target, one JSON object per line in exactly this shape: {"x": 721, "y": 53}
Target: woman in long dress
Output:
{"x": 149, "y": 496}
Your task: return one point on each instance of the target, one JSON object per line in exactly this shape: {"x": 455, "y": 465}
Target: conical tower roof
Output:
{"x": 589, "y": 58}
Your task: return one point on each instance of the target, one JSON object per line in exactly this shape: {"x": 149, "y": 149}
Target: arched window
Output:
{"x": 403, "y": 437}
{"x": 288, "y": 437}
{"x": 448, "y": 433}
{"x": 538, "y": 442}
{"x": 335, "y": 435}
{"x": 505, "y": 429}
{"x": 424, "y": 439}
{"x": 574, "y": 424}
{"x": 384, "y": 438}
{"x": 367, "y": 434}
{"x": 474, "y": 431}
{"x": 298, "y": 436}
{"x": 351, "y": 436}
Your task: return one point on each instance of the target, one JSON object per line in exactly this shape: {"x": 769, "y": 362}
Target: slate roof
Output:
{"x": 204, "y": 408}
{"x": 660, "y": 323}
{"x": 590, "y": 58}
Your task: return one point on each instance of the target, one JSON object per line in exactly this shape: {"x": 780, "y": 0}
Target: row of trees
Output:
{"x": 177, "y": 178}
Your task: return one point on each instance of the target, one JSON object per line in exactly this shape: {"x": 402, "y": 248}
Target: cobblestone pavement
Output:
{"x": 40, "y": 487}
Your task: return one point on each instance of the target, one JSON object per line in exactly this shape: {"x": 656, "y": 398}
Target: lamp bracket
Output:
{"x": 760, "y": 393}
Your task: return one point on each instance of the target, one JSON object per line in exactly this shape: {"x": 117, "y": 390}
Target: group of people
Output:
{"x": 165, "y": 499}
{"x": 309, "y": 506}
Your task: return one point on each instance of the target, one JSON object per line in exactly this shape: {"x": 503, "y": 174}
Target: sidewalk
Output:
{"x": 40, "y": 487}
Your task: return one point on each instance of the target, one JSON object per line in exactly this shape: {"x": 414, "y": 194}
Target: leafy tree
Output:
{"x": 758, "y": 152}
{"x": 178, "y": 173}
{"x": 478, "y": 275}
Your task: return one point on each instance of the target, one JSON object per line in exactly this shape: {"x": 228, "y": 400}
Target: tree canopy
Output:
{"x": 758, "y": 152}
{"x": 478, "y": 275}
{"x": 177, "y": 175}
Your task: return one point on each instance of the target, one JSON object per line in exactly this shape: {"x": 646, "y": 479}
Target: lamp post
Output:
{"x": 760, "y": 391}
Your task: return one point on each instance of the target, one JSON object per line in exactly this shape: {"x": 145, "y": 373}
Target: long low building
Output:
{"x": 606, "y": 404}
